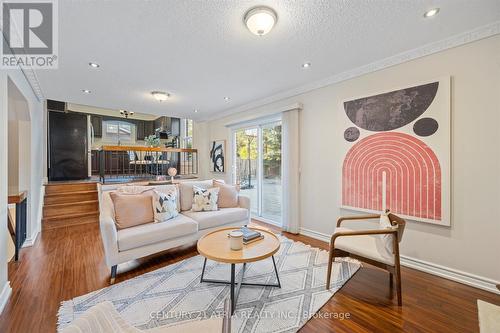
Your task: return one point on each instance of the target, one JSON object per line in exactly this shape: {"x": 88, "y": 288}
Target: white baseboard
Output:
{"x": 31, "y": 239}
{"x": 428, "y": 267}
{"x": 4, "y": 295}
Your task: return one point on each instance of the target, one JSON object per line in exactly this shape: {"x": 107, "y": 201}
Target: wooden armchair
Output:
{"x": 364, "y": 245}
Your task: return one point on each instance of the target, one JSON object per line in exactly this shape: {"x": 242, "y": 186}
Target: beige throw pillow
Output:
{"x": 205, "y": 199}
{"x": 132, "y": 209}
{"x": 228, "y": 195}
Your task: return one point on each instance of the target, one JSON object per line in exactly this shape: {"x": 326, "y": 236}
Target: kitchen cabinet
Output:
{"x": 139, "y": 129}
{"x": 149, "y": 128}
{"x": 96, "y": 122}
{"x": 95, "y": 161}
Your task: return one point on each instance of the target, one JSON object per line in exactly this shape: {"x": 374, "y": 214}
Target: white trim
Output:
{"x": 31, "y": 239}
{"x": 315, "y": 234}
{"x": 269, "y": 117}
{"x": 469, "y": 279}
{"x": 470, "y": 36}
{"x": 268, "y": 221}
{"x": 451, "y": 274}
{"x": 4, "y": 295}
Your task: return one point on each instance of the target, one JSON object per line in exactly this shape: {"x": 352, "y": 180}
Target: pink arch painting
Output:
{"x": 395, "y": 171}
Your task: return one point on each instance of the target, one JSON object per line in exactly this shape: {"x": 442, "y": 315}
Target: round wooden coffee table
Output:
{"x": 215, "y": 246}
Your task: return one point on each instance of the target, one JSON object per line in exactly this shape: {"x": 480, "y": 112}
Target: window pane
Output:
{"x": 246, "y": 164}
{"x": 271, "y": 173}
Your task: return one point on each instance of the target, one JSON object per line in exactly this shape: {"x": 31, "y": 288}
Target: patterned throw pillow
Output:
{"x": 205, "y": 199}
{"x": 164, "y": 205}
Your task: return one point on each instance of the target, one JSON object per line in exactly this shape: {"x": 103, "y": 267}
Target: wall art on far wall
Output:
{"x": 397, "y": 152}
{"x": 218, "y": 156}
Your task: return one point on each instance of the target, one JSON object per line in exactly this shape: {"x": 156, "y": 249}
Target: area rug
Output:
{"x": 174, "y": 294}
{"x": 489, "y": 317}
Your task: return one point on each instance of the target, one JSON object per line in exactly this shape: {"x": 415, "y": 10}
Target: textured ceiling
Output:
{"x": 200, "y": 50}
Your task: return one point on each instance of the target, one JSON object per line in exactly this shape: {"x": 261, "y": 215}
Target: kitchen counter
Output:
{"x": 144, "y": 148}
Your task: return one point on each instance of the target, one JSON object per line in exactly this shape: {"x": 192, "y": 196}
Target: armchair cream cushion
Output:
{"x": 367, "y": 246}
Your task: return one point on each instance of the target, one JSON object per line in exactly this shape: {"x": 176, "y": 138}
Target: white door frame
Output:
{"x": 259, "y": 125}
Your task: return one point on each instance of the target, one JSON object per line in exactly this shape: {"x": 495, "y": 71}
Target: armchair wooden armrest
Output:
{"x": 362, "y": 232}
{"x": 357, "y": 217}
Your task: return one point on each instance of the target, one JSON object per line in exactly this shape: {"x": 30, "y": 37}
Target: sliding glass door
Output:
{"x": 257, "y": 168}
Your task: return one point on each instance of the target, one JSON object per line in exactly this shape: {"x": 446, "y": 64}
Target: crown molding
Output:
{"x": 470, "y": 36}
{"x": 29, "y": 74}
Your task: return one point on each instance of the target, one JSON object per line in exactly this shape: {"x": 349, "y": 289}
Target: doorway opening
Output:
{"x": 19, "y": 153}
{"x": 257, "y": 168}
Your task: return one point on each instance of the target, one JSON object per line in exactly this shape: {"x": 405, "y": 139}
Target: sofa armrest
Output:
{"x": 243, "y": 201}
{"x": 109, "y": 235}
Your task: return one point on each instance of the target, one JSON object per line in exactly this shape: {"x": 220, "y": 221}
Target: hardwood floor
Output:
{"x": 69, "y": 261}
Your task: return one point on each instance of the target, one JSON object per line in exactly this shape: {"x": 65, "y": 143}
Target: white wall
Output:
{"x": 37, "y": 153}
{"x": 471, "y": 246}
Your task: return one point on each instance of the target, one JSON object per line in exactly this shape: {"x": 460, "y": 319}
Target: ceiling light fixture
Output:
{"x": 86, "y": 91}
{"x": 126, "y": 113}
{"x": 160, "y": 95}
{"x": 94, "y": 65}
{"x": 195, "y": 110}
{"x": 226, "y": 99}
{"x": 431, "y": 13}
{"x": 260, "y": 20}
{"x": 306, "y": 65}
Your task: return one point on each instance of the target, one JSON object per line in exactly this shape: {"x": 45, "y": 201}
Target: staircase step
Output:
{"x": 70, "y": 197}
{"x": 70, "y": 209}
{"x": 69, "y": 187}
{"x": 69, "y": 220}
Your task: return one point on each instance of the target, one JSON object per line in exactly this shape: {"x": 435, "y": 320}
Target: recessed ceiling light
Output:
{"x": 432, "y": 12}
{"x": 195, "y": 110}
{"x": 94, "y": 65}
{"x": 86, "y": 91}
{"x": 160, "y": 95}
{"x": 226, "y": 99}
{"x": 260, "y": 20}
{"x": 306, "y": 65}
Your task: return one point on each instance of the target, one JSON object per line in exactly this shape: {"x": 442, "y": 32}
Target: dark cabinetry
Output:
{"x": 149, "y": 128}
{"x": 139, "y": 130}
{"x": 95, "y": 161}
{"x": 144, "y": 128}
{"x": 97, "y": 125}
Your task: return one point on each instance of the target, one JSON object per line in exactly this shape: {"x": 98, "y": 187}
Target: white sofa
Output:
{"x": 131, "y": 243}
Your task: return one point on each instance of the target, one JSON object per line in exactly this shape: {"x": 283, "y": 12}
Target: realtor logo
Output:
{"x": 29, "y": 33}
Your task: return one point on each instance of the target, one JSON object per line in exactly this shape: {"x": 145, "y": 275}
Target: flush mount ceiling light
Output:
{"x": 86, "y": 91}
{"x": 431, "y": 13}
{"x": 260, "y": 20}
{"x": 94, "y": 65}
{"x": 195, "y": 110}
{"x": 160, "y": 95}
{"x": 226, "y": 99}
{"x": 306, "y": 65}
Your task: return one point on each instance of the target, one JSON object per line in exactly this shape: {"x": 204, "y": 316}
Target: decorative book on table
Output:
{"x": 250, "y": 235}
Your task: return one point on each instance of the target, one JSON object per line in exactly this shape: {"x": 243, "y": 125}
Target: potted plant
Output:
{"x": 152, "y": 141}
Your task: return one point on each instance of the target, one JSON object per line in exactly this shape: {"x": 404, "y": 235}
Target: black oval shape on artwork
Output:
{"x": 388, "y": 111}
{"x": 425, "y": 126}
{"x": 351, "y": 134}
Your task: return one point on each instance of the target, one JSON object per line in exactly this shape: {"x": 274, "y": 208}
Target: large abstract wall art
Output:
{"x": 397, "y": 152}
